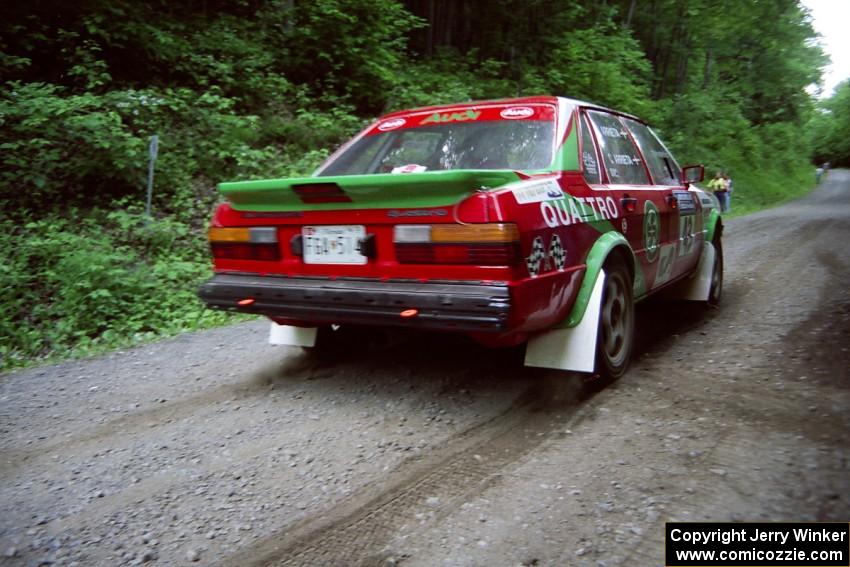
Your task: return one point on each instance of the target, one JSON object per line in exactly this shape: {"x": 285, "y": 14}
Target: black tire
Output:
{"x": 716, "y": 290}
{"x": 333, "y": 342}
{"x": 616, "y": 333}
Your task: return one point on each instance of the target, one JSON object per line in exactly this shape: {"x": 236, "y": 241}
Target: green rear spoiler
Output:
{"x": 386, "y": 190}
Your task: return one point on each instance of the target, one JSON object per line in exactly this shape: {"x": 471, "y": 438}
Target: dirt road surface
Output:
{"x": 217, "y": 449}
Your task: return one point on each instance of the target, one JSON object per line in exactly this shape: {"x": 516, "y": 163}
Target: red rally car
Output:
{"x": 538, "y": 220}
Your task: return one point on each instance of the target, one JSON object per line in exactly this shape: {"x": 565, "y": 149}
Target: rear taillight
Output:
{"x": 492, "y": 244}
{"x": 244, "y": 243}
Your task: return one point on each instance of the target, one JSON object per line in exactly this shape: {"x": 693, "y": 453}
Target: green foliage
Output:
{"x": 88, "y": 149}
{"x": 74, "y": 283}
{"x": 53, "y": 143}
{"x": 768, "y": 164}
{"x": 603, "y": 64}
{"x": 449, "y": 78}
{"x": 349, "y": 47}
{"x": 829, "y": 128}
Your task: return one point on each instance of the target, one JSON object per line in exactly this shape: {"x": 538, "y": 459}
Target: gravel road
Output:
{"x": 215, "y": 448}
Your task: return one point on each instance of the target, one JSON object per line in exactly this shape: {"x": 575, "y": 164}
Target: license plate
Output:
{"x": 333, "y": 244}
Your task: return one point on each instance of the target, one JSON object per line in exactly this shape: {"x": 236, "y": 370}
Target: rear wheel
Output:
{"x": 335, "y": 341}
{"x": 616, "y": 323}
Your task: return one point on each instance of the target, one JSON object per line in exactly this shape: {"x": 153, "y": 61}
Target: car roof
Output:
{"x": 521, "y": 100}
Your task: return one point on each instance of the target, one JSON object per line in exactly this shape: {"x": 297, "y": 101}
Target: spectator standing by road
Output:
{"x": 728, "y": 203}
{"x": 720, "y": 188}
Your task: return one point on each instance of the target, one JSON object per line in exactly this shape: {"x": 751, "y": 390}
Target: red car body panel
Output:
{"x": 571, "y": 218}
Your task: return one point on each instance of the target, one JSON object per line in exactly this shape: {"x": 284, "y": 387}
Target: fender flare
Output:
{"x": 596, "y": 257}
{"x": 713, "y": 226}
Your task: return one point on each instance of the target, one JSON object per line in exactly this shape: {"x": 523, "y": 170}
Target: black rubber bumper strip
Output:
{"x": 448, "y": 307}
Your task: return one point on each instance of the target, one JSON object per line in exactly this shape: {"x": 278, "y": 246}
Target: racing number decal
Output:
{"x": 651, "y": 230}
{"x": 688, "y": 224}
{"x": 686, "y": 235}
{"x": 556, "y": 255}
{"x": 665, "y": 266}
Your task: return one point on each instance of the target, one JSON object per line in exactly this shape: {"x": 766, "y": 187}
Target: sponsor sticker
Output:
{"x": 438, "y": 118}
{"x": 651, "y": 230}
{"x": 538, "y": 191}
{"x": 388, "y": 125}
{"x": 517, "y": 113}
{"x": 409, "y": 168}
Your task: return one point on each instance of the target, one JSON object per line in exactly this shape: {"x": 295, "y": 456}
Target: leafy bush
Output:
{"x": 72, "y": 284}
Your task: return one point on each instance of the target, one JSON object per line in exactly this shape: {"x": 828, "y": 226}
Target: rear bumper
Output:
{"x": 453, "y": 306}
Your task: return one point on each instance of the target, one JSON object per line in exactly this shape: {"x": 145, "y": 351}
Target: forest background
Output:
{"x": 239, "y": 89}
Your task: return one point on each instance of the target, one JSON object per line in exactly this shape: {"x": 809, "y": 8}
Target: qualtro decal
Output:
{"x": 565, "y": 212}
{"x": 651, "y": 230}
{"x": 438, "y": 118}
{"x": 517, "y": 113}
{"x": 556, "y": 255}
{"x": 388, "y": 125}
{"x": 537, "y": 191}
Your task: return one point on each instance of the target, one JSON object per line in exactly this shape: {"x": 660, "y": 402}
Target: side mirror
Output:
{"x": 692, "y": 174}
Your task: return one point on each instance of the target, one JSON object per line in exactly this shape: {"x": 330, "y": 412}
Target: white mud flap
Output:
{"x": 697, "y": 287}
{"x": 292, "y": 336}
{"x": 573, "y": 348}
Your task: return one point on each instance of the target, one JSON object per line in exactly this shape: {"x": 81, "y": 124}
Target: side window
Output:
{"x": 622, "y": 159}
{"x": 661, "y": 165}
{"x": 589, "y": 161}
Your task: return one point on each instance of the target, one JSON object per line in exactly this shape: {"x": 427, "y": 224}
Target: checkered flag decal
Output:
{"x": 538, "y": 254}
{"x": 557, "y": 252}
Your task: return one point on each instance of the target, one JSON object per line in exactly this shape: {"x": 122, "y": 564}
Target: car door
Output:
{"x": 647, "y": 210}
{"x": 685, "y": 222}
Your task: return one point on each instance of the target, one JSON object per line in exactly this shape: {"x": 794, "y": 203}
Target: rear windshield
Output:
{"x": 490, "y": 144}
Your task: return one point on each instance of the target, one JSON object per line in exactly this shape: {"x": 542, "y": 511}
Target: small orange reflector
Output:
{"x": 407, "y": 313}
{"x": 245, "y": 302}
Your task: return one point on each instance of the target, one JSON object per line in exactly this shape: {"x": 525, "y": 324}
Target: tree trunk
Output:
{"x": 631, "y": 13}
{"x": 429, "y": 37}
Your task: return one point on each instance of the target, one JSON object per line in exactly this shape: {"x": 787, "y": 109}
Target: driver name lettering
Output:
{"x": 578, "y": 210}
{"x": 438, "y": 118}
{"x": 622, "y": 159}
{"x": 610, "y": 132}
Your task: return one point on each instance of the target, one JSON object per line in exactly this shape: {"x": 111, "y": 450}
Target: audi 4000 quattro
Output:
{"x": 534, "y": 220}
